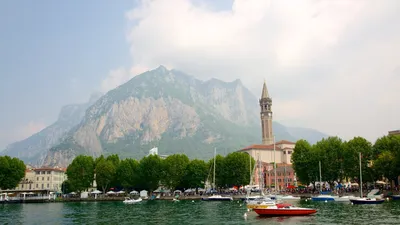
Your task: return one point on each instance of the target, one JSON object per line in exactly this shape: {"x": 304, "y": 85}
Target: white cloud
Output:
{"x": 330, "y": 65}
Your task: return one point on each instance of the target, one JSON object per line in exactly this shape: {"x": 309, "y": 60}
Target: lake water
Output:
{"x": 188, "y": 212}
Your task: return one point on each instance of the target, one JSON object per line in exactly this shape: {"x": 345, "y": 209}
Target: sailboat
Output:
{"x": 361, "y": 200}
{"x": 215, "y": 197}
{"x": 322, "y": 197}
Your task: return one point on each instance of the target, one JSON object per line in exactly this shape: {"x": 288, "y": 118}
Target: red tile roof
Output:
{"x": 285, "y": 142}
{"x": 260, "y": 147}
{"x": 49, "y": 169}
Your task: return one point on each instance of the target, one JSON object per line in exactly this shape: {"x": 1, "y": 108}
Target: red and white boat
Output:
{"x": 278, "y": 210}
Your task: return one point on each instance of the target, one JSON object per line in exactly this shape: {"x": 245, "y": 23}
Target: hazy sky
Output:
{"x": 329, "y": 65}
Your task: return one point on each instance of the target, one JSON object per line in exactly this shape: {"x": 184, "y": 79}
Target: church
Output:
{"x": 270, "y": 151}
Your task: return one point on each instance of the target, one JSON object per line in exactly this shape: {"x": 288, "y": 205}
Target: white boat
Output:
{"x": 131, "y": 201}
{"x": 288, "y": 197}
{"x": 175, "y": 200}
{"x": 344, "y": 199}
{"x": 218, "y": 198}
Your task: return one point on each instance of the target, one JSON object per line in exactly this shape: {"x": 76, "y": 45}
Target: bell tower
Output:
{"x": 266, "y": 116}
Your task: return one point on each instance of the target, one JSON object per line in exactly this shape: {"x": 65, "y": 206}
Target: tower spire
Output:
{"x": 264, "y": 93}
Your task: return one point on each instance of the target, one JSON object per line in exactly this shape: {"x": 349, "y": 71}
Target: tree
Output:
{"x": 174, "y": 169}
{"x": 330, "y": 152}
{"x": 387, "y": 153}
{"x": 150, "y": 171}
{"x": 237, "y": 169}
{"x": 105, "y": 174}
{"x": 12, "y": 170}
{"x": 351, "y": 150}
{"x": 128, "y": 173}
{"x": 195, "y": 174}
{"x": 81, "y": 172}
{"x": 305, "y": 162}
{"x": 385, "y": 165}
{"x": 66, "y": 187}
{"x": 114, "y": 159}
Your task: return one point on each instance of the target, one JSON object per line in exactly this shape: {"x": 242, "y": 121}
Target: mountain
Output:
{"x": 171, "y": 110}
{"x": 34, "y": 148}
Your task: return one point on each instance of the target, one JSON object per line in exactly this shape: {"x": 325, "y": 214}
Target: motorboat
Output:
{"x": 284, "y": 211}
{"x": 323, "y": 198}
{"x": 132, "y": 201}
{"x": 217, "y": 198}
{"x": 252, "y": 197}
{"x": 288, "y": 197}
{"x": 344, "y": 198}
{"x": 366, "y": 201}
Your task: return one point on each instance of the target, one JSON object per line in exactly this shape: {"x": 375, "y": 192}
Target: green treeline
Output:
{"x": 12, "y": 170}
{"x": 174, "y": 172}
{"x": 340, "y": 160}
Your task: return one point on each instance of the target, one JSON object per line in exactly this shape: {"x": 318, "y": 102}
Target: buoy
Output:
{"x": 238, "y": 201}
{"x": 387, "y": 199}
{"x": 248, "y": 210}
{"x": 306, "y": 200}
{"x": 326, "y": 200}
{"x": 192, "y": 200}
{"x": 240, "y": 205}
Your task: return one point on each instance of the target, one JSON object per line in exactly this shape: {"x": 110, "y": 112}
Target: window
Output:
{"x": 42, "y": 186}
{"x": 289, "y": 173}
{"x": 37, "y": 185}
{"x": 48, "y": 172}
{"x": 22, "y": 186}
{"x": 289, "y": 152}
{"x": 48, "y": 185}
{"x": 48, "y": 178}
{"x": 284, "y": 152}
{"x": 37, "y": 178}
{"x": 42, "y": 178}
{"x": 37, "y": 172}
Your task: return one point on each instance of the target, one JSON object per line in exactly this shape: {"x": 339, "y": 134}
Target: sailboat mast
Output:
{"x": 275, "y": 165}
{"x": 215, "y": 155}
{"x": 320, "y": 177}
{"x": 361, "y": 190}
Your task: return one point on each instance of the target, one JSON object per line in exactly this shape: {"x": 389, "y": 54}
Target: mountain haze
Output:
{"x": 34, "y": 148}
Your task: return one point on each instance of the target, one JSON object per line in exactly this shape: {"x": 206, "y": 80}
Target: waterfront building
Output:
{"x": 268, "y": 152}
{"x": 394, "y": 132}
{"x": 44, "y": 178}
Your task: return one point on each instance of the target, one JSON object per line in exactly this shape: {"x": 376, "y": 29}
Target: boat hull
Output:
{"x": 323, "y": 199}
{"x": 284, "y": 212}
{"x": 217, "y": 199}
{"x": 366, "y": 202}
{"x": 396, "y": 197}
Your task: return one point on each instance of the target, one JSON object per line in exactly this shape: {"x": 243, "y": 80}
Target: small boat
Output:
{"x": 175, "y": 200}
{"x": 324, "y": 198}
{"x": 288, "y": 197}
{"x": 218, "y": 198}
{"x": 344, "y": 198}
{"x": 131, "y": 201}
{"x": 396, "y": 197}
{"x": 366, "y": 201}
{"x": 284, "y": 211}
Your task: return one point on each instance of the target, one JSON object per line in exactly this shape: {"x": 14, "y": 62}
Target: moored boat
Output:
{"x": 344, "y": 198}
{"x": 131, "y": 201}
{"x": 284, "y": 211}
{"x": 396, "y": 197}
{"x": 366, "y": 201}
{"x": 217, "y": 198}
{"x": 324, "y": 198}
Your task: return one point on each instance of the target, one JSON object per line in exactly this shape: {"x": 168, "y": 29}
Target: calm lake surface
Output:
{"x": 188, "y": 212}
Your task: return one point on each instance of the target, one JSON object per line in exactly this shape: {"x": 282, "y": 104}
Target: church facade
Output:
{"x": 270, "y": 151}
